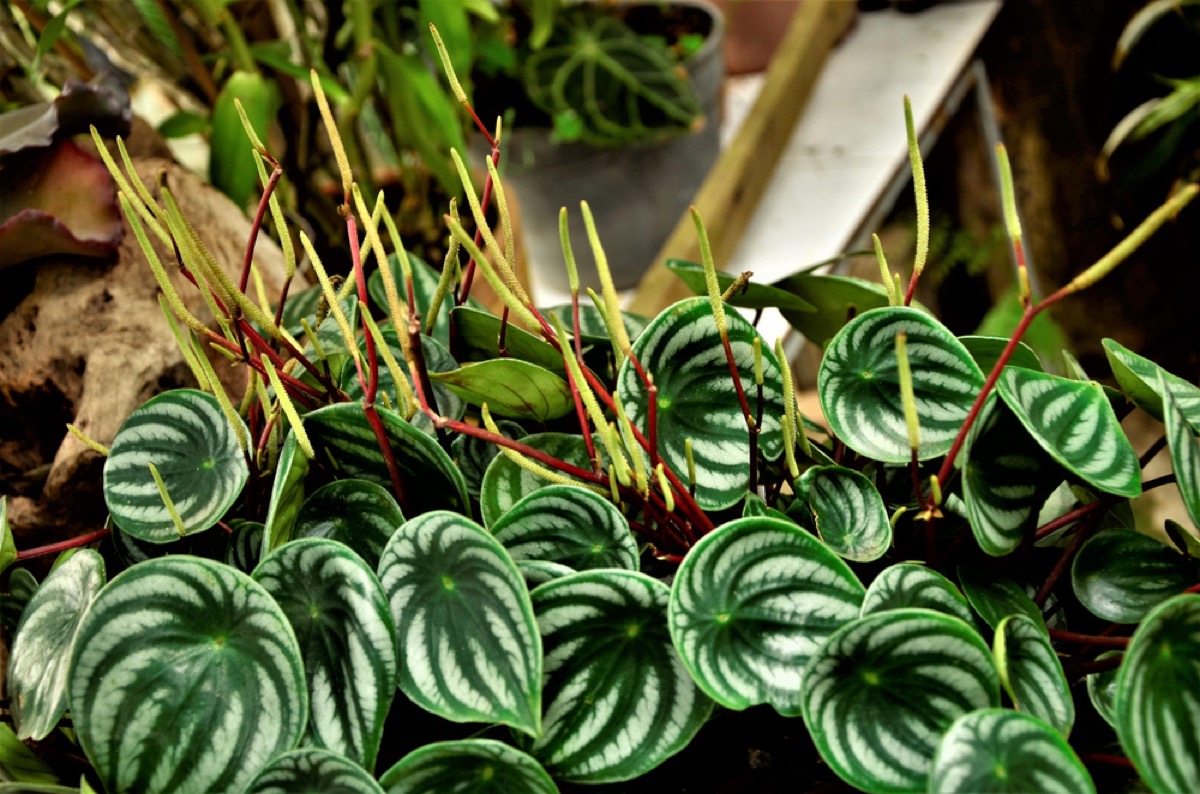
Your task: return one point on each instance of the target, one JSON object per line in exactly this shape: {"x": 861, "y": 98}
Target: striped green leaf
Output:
{"x": 479, "y": 338}
{"x": 1006, "y": 479}
{"x": 751, "y": 603}
{"x": 471, "y": 766}
{"x": 1031, "y": 673}
{"x": 986, "y": 351}
{"x": 474, "y": 455}
{"x": 505, "y": 483}
{"x": 682, "y": 350}
{"x": 287, "y": 495}
{"x": 37, "y": 671}
{"x": 185, "y": 676}
{"x": 1138, "y": 378}
{"x": 312, "y": 770}
{"x": 1075, "y": 424}
{"x": 835, "y": 298}
{"x": 464, "y": 625}
{"x": 341, "y": 434}
{"x": 910, "y": 584}
{"x": 859, "y": 384}
{"x": 998, "y": 751}
{"x": 568, "y": 525}
{"x": 1102, "y": 690}
{"x": 244, "y": 549}
{"x": 538, "y": 572}
{"x": 510, "y": 387}
{"x": 618, "y": 699}
{"x": 848, "y": 512}
{"x": 185, "y": 435}
{"x": 21, "y": 587}
{"x": 995, "y": 597}
{"x": 1120, "y": 575}
{"x": 347, "y": 640}
{"x": 359, "y": 513}
{"x": 1158, "y": 696}
{"x": 1184, "y": 450}
{"x": 879, "y": 695}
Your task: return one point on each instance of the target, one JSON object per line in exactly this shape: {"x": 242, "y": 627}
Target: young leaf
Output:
{"x": 1120, "y": 575}
{"x": 909, "y": 584}
{"x": 359, "y": 513}
{"x": 1138, "y": 377}
{"x": 505, "y": 483}
{"x": 1031, "y": 672}
{"x": 287, "y": 495}
{"x": 836, "y": 300}
{"x": 994, "y": 597}
{"x": 510, "y": 387}
{"x": 479, "y": 336}
{"x": 849, "y": 513}
{"x": 755, "y": 295}
{"x": 21, "y": 764}
{"x": 312, "y": 769}
{"x": 470, "y": 766}
{"x": 570, "y": 526}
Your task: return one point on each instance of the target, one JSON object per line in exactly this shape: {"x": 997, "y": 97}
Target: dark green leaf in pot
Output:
{"x": 37, "y": 671}
{"x": 287, "y": 495}
{"x": 505, "y": 483}
{"x": 474, "y": 455}
{"x": 881, "y": 692}
{"x": 312, "y": 770}
{"x": 998, "y": 751}
{"x": 464, "y": 625}
{"x": 1184, "y": 449}
{"x": 359, "y": 513}
{"x": 859, "y": 384}
{"x": 568, "y": 525}
{"x": 1074, "y": 422}
{"x": 1138, "y": 378}
{"x": 1031, "y": 672}
{"x": 755, "y": 296}
{"x": 425, "y": 281}
{"x": 850, "y": 514}
{"x": 470, "y": 766}
{"x": 994, "y": 597}
{"x": 1158, "y": 696}
{"x": 189, "y": 440}
{"x": 836, "y": 299}
{"x": 347, "y": 641}
{"x": 231, "y": 168}
{"x": 437, "y": 359}
{"x": 751, "y": 603}
{"x": 244, "y": 549}
{"x": 682, "y": 351}
{"x": 342, "y": 434}
{"x": 510, "y": 387}
{"x": 185, "y": 676}
{"x": 910, "y": 584}
{"x": 986, "y": 351}
{"x": 1120, "y": 575}
{"x": 21, "y": 587}
{"x": 479, "y": 340}
{"x": 591, "y": 322}
{"x": 619, "y": 701}
{"x": 1102, "y": 689}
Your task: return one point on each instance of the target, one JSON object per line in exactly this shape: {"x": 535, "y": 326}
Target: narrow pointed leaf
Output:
{"x": 835, "y": 298}
{"x": 312, "y": 771}
{"x": 1102, "y": 690}
{"x": 19, "y": 763}
{"x": 859, "y": 384}
{"x": 1120, "y": 575}
{"x": 1138, "y": 378}
{"x": 994, "y": 597}
{"x": 1032, "y": 674}
{"x": 849, "y": 513}
{"x": 909, "y": 584}
{"x": 185, "y": 676}
{"x": 997, "y": 751}
{"x": 1158, "y": 696}
{"x": 287, "y": 495}
{"x": 464, "y": 625}
{"x": 359, "y": 513}
{"x": 187, "y": 437}
{"x": 1184, "y": 449}
{"x": 510, "y": 387}
{"x": 479, "y": 340}
{"x": 505, "y": 483}
{"x": 567, "y": 525}
{"x": 751, "y": 603}
{"x": 618, "y": 700}
{"x": 881, "y": 692}
{"x": 474, "y": 455}
{"x": 1074, "y": 422}
{"x": 986, "y": 351}
{"x": 471, "y": 766}
{"x": 754, "y": 296}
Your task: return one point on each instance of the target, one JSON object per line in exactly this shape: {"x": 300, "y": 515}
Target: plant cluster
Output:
{"x": 595, "y": 531}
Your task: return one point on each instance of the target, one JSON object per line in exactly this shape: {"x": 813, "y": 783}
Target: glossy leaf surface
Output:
{"x": 479, "y": 340}
{"x": 312, "y": 771}
{"x": 1184, "y": 449}
{"x": 471, "y": 766}
{"x": 836, "y": 300}
{"x": 848, "y": 512}
{"x": 995, "y": 597}
{"x": 1138, "y": 378}
{"x": 754, "y": 296}
{"x": 287, "y": 495}
{"x": 910, "y": 584}
{"x": 986, "y": 351}
{"x": 511, "y": 388}
{"x": 570, "y": 526}
{"x": 505, "y": 483}
{"x": 359, "y": 513}
{"x": 1120, "y": 575}
{"x": 1031, "y": 672}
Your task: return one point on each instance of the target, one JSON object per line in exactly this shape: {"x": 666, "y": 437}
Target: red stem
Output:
{"x": 1106, "y": 759}
{"x": 469, "y": 270}
{"x": 1089, "y": 639}
{"x": 1068, "y": 518}
{"x": 1060, "y": 567}
{"x": 259, "y": 216}
{"x": 63, "y": 545}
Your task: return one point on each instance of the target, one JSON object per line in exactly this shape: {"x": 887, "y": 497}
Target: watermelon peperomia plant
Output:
{"x": 596, "y": 533}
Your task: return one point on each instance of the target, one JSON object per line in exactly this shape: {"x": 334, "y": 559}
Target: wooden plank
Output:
{"x": 730, "y": 193}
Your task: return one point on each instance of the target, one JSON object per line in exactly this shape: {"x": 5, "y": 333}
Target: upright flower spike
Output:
{"x": 885, "y": 275}
{"x": 564, "y": 239}
{"x": 335, "y": 137}
{"x": 611, "y": 300}
{"x": 792, "y": 425}
{"x": 710, "y": 274}
{"x": 88, "y": 441}
{"x": 1012, "y": 221}
{"x": 922, "y": 199}
{"x": 289, "y": 409}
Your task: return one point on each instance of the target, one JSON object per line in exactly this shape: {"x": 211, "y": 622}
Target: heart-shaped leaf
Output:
{"x": 361, "y": 514}
{"x": 1074, "y": 422}
{"x": 464, "y": 624}
{"x": 567, "y": 525}
{"x": 1139, "y": 379}
{"x": 287, "y": 495}
{"x": 848, "y": 512}
{"x": 1002, "y": 750}
{"x": 681, "y": 349}
{"x": 881, "y": 692}
{"x": 189, "y": 440}
{"x": 754, "y": 296}
{"x": 1031, "y": 672}
{"x": 312, "y": 769}
{"x": 505, "y": 483}
{"x": 510, "y": 387}
{"x": 986, "y": 351}
{"x": 1158, "y": 696}
{"x": 836, "y": 299}
{"x": 751, "y": 603}
{"x": 618, "y": 699}
{"x": 479, "y": 340}
{"x": 471, "y": 766}
{"x": 909, "y": 584}
{"x": 859, "y": 384}
{"x": 347, "y": 642}
{"x": 37, "y": 672}
{"x": 1184, "y": 449}
{"x": 185, "y": 676}
{"x": 995, "y": 597}
{"x": 474, "y": 455}
{"x": 1120, "y": 575}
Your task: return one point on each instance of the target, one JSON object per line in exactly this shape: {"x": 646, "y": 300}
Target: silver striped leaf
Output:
{"x": 474, "y": 455}
{"x": 1184, "y": 450}
{"x": 1138, "y": 378}
{"x": 538, "y": 572}
{"x": 619, "y": 701}
{"x": 1102, "y": 690}
{"x": 1074, "y": 423}
{"x": 751, "y": 603}
{"x": 347, "y": 640}
{"x": 359, "y": 513}
{"x": 467, "y": 640}
{"x": 848, "y": 512}
{"x": 879, "y": 695}
{"x": 244, "y": 549}
{"x": 859, "y": 384}
{"x": 567, "y": 525}
{"x": 343, "y": 439}
{"x": 21, "y": 587}
{"x": 470, "y": 766}
{"x": 910, "y": 584}
{"x": 185, "y": 676}
{"x": 998, "y": 751}
{"x": 505, "y": 483}
{"x": 994, "y": 597}
{"x": 189, "y": 440}
{"x": 37, "y": 669}
{"x": 1031, "y": 673}
{"x": 312, "y": 770}
{"x": 1158, "y": 696}
{"x": 682, "y": 351}
{"x": 1120, "y": 575}
{"x": 287, "y": 495}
